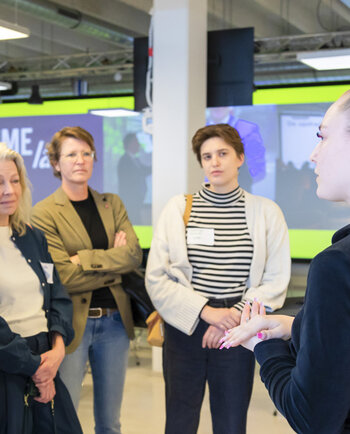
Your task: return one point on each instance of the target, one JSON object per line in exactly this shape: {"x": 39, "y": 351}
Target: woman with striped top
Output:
{"x": 233, "y": 248}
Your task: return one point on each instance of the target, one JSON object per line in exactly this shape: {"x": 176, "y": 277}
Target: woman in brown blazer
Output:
{"x": 92, "y": 243}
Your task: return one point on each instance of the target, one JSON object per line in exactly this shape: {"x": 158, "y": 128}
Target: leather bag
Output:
{"x": 133, "y": 284}
{"x": 155, "y": 324}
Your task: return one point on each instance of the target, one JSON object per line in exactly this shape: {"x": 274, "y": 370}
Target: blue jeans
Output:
{"x": 106, "y": 345}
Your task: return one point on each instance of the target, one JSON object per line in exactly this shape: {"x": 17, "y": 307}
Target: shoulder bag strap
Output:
{"x": 187, "y": 213}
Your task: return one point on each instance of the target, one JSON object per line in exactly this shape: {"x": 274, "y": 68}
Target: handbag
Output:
{"x": 30, "y": 392}
{"x": 133, "y": 284}
{"x": 155, "y": 325}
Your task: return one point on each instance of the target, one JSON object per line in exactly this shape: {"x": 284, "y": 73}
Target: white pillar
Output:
{"x": 179, "y": 100}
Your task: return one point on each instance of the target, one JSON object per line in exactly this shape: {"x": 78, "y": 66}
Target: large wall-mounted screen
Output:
{"x": 278, "y": 132}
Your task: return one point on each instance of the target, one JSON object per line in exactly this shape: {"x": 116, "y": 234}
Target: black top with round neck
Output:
{"x": 89, "y": 215}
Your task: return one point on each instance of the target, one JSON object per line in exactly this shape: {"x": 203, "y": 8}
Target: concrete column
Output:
{"x": 179, "y": 100}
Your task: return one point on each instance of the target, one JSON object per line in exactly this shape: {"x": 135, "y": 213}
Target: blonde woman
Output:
{"x": 305, "y": 361}
{"x": 35, "y": 316}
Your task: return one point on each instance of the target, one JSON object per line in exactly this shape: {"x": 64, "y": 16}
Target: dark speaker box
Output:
{"x": 230, "y": 71}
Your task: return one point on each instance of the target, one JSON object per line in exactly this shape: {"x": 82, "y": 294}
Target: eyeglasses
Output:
{"x": 73, "y": 156}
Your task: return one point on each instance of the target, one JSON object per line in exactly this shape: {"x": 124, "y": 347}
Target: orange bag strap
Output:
{"x": 187, "y": 213}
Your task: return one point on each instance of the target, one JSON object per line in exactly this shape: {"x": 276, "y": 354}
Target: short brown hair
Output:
{"x": 227, "y": 133}
{"x": 54, "y": 147}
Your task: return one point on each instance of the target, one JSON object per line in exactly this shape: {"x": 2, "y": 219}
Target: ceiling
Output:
{"x": 84, "y": 47}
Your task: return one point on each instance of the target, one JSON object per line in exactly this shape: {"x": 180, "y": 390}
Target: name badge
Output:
{"x": 204, "y": 237}
{"x": 48, "y": 270}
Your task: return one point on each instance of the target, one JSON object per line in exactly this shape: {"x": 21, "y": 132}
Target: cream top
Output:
{"x": 21, "y": 295}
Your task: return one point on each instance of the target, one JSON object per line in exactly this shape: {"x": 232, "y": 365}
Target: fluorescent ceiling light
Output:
{"x": 114, "y": 113}
{"x": 5, "y": 86}
{"x": 12, "y": 31}
{"x": 326, "y": 59}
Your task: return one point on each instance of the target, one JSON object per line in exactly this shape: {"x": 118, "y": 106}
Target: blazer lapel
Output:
{"x": 67, "y": 211}
{"x": 105, "y": 210}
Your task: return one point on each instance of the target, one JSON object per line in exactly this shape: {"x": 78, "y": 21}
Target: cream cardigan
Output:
{"x": 169, "y": 273}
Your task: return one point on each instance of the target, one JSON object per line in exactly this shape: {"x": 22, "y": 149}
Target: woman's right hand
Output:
{"x": 222, "y": 317}
{"x": 47, "y": 392}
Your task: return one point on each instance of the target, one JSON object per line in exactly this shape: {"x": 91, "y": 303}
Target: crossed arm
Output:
{"x": 119, "y": 241}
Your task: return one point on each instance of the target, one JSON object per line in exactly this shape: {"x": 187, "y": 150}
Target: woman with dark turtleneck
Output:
{"x": 211, "y": 253}
{"x": 304, "y": 362}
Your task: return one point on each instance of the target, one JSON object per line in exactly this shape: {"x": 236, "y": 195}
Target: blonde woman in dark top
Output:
{"x": 35, "y": 317}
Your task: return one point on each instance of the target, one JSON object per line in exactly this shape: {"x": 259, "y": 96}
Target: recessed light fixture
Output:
{"x": 12, "y": 31}
{"x": 4, "y": 85}
{"x": 114, "y": 113}
{"x": 326, "y": 59}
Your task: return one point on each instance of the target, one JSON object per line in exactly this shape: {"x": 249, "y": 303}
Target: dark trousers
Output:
{"x": 187, "y": 367}
{"x": 12, "y": 388}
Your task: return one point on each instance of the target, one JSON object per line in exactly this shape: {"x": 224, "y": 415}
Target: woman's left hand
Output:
{"x": 256, "y": 326}
{"x": 211, "y": 337}
{"x": 120, "y": 239}
{"x": 245, "y": 334}
{"x": 47, "y": 392}
{"x": 50, "y": 362}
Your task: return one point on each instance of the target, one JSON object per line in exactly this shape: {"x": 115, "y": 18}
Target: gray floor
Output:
{"x": 143, "y": 405}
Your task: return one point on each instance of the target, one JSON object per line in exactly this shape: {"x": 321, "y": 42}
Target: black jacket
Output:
{"x": 15, "y": 355}
{"x": 308, "y": 378}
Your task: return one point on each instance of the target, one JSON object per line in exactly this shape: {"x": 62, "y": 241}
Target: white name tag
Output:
{"x": 48, "y": 270}
{"x": 200, "y": 236}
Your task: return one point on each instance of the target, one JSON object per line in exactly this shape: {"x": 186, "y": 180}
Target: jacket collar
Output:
{"x": 66, "y": 209}
{"x": 30, "y": 249}
{"x": 341, "y": 233}
{"x": 61, "y": 197}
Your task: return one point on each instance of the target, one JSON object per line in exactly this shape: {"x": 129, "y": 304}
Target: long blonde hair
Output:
{"x": 21, "y": 216}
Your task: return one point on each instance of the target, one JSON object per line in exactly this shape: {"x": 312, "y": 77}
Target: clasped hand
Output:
{"x": 257, "y": 326}
{"x": 47, "y": 371}
{"x": 221, "y": 317}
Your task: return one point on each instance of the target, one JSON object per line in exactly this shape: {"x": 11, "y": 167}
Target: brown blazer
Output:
{"x": 67, "y": 236}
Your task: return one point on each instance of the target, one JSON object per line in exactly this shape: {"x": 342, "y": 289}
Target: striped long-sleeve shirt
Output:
{"x": 222, "y": 255}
